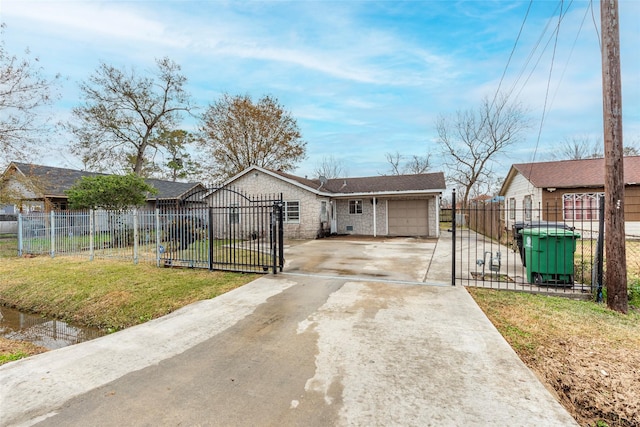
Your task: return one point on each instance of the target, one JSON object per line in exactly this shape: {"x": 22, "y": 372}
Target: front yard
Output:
{"x": 106, "y": 294}
{"x": 588, "y": 355}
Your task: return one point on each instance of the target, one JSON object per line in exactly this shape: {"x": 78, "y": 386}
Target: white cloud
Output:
{"x": 77, "y": 20}
{"x": 361, "y": 77}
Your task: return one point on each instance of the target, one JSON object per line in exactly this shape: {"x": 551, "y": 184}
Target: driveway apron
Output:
{"x": 350, "y": 335}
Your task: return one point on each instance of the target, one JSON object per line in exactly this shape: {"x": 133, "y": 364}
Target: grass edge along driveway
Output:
{"x": 105, "y": 294}
{"x": 587, "y": 354}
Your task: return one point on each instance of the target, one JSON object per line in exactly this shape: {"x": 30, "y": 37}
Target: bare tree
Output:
{"x": 418, "y": 164}
{"x": 415, "y": 165}
{"x": 632, "y": 149}
{"x": 24, "y": 90}
{"x": 123, "y": 113}
{"x": 394, "y": 160}
{"x": 238, "y": 133}
{"x": 330, "y": 168}
{"x": 577, "y": 148}
{"x": 471, "y": 139}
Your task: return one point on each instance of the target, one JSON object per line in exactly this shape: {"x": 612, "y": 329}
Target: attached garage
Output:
{"x": 408, "y": 218}
{"x": 391, "y": 205}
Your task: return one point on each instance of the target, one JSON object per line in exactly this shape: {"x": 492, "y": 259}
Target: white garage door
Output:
{"x": 408, "y": 218}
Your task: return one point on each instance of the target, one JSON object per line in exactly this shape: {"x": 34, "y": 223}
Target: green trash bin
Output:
{"x": 549, "y": 255}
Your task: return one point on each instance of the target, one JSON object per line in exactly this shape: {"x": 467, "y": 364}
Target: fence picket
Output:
{"x": 231, "y": 236}
{"x": 489, "y": 251}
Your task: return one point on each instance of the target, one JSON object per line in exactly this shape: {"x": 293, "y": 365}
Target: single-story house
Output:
{"x": 568, "y": 191}
{"x": 399, "y": 205}
{"x": 37, "y": 188}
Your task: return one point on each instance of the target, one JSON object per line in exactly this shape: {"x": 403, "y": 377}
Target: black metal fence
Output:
{"x": 226, "y": 230}
{"x": 530, "y": 249}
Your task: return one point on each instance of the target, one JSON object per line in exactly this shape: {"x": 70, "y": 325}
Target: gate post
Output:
{"x": 156, "y": 220}
{"x": 92, "y": 233}
{"x": 453, "y": 238}
{"x": 281, "y": 234}
{"x": 136, "y": 235}
{"x": 599, "y": 251}
{"x": 273, "y": 237}
{"x": 20, "y": 237}
{"x": 276, "y": 228}
{"x": 52, "y": 233}
{"x": 210, "y": 235}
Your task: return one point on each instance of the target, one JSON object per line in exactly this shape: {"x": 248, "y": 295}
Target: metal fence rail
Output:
{"x": 243, "y": 235}
{"x": 534, "y": 249}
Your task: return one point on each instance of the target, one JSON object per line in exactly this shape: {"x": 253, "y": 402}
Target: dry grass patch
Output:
{"x": 587, "y": 354}
{"x": 11, "y": 350}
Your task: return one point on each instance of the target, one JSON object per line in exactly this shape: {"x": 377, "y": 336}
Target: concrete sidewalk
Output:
{"x": 296, "y": 349}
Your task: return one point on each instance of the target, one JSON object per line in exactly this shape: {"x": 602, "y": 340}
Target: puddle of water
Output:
{"x": 47, "y": 333}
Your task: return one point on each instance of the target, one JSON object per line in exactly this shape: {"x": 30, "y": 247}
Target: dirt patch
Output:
{"x": 593, "y": 382}
{"x": 584, "y": 353}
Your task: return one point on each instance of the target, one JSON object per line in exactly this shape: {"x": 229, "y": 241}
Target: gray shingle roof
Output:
{"x": 170, "y": 189}
{"x": 50, "y": 180}
{"x": 375, "y": 184}
{"x": 54, "y": 181}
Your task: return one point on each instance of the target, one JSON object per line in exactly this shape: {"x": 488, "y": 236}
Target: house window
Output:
{"x": 512, "y": 208}
{"x": 581, "y": 206}
{"x": 355, "y": 207}
{"x": 291, "y": 211}
{"x": 528, "y": 206}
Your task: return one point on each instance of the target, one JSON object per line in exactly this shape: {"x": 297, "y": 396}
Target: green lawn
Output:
{"x": 8, "y": 245}
{"x": 106, "y": 294}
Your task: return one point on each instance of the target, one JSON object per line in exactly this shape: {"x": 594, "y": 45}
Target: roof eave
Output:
{"x": 507, "y": 181}
{"x": 388, "y": 193}
{"x": 273, "y": 175}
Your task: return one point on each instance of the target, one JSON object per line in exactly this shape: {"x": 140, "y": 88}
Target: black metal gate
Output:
{"x": 491, "y": 248}
{"x": 223, "y": 229}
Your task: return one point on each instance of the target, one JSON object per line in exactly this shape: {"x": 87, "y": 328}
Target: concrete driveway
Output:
{"x": 351, "y": 335}
{"x": 396, "y": 259}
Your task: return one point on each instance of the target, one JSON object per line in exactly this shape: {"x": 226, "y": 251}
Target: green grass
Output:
{"x": 568, "y": 343}
{"x": 4, "y": 358}
{"x": 8, "y": 245}
{"x": 107, "y": 294}
{"x": 524, "y": 319}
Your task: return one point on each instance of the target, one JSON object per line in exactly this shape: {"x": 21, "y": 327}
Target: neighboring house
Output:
{"x": 568, "y": 191}
{"x": 37, "y": 188}
{"x": 403, "y": 205}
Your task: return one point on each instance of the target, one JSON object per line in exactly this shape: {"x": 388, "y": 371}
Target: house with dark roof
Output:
{"x": 402, "y": 205}
{"x": 567, "y": 191}
{"x": 42, "y": 188}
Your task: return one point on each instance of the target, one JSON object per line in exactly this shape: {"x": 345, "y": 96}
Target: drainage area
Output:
{"x": 51, "y": 334}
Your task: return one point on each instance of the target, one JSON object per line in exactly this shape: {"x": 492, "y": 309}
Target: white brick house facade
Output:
{"x": 349, "y": 205}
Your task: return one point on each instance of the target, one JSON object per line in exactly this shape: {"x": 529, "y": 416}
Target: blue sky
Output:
{"x": 362, "y": 78}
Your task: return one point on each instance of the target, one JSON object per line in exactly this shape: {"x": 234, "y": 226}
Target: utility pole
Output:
{"x": 616, "y": 273}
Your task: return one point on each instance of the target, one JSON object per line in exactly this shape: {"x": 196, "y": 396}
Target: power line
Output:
{"x": 575, "y": 41}
{"x": 513, "y": 49}
{"x": 546, "y": 94}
